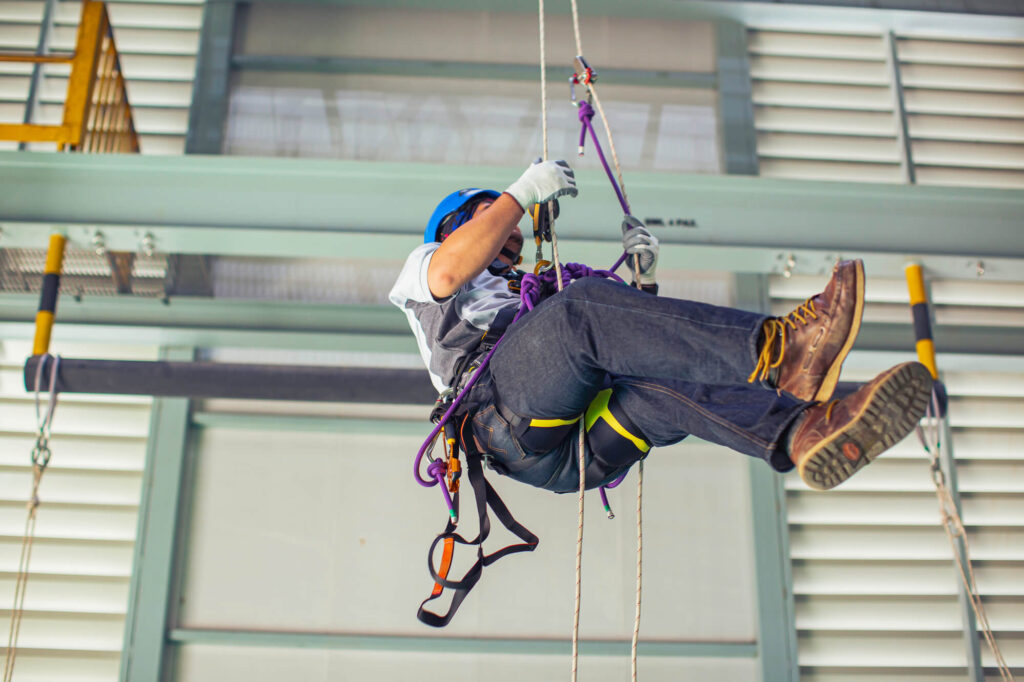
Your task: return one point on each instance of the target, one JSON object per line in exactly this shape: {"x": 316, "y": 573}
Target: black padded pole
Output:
{"x": 242, "y": 381}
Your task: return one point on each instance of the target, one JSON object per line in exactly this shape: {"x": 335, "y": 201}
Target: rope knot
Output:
{"x": 585, "y": 112}
{"x": 437, "y": 469}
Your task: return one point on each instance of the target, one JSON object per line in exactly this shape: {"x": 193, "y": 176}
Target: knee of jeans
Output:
{"x": 582, "y": 288}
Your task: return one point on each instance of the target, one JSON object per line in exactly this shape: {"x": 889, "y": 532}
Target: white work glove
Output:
{"x": 640, "y": 244}
{"x": 543, "y": 181}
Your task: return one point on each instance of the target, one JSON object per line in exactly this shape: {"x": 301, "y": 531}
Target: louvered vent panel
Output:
{"x": 823, "y": 106}
{"x": 826, "y": 108}
{"x": 874, "y": 580}
{"x": 965, "y": 108}
{"x": 73, "y": 626}
{"x": 157, "y": 41}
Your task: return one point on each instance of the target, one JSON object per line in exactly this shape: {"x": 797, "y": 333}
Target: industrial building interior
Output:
{"x": 240, "y": 181}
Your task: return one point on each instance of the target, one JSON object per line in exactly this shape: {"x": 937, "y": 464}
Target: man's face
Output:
{"x": 515, "y": 240}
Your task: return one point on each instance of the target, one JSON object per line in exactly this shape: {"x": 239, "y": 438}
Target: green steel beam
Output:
{"x": 217, "y": 338}
{"x": 216, "y": 323}
{"x": 208, "y": 322}
{"x": 452, "y": 69}
{"x": 947, "y": 463}
{"x": 735, "y": 100}
{"x": 794, "y": 15}
{"x": 219, "y": 314}
{"x": 776, "y": 603}
{"x": 460, "y": 645}
{"x": 972, "y": 640}
{"x": 211, "y": 88}
{"x": 892, "y": 58}
{"x": 193, "y": 203}
{"x": 36, "y": 79}
{"x": 306, "y": 424}
{"x": 777, "y": 637}
{"x": 297, "y": 243}
{"x": 147, "y": 621}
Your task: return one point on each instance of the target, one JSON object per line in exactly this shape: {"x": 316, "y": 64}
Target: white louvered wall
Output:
{"x": 875, "y": 585}
{"x": 157, "y": 41}
{"x": 826, "y": 108}
{"x": 77, "y": 596}
{"x": 965, "y": 108}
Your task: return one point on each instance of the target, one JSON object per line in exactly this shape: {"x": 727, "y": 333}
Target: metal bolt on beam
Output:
{"x": 99, "y": 243}
{"x": 147, "y": 247}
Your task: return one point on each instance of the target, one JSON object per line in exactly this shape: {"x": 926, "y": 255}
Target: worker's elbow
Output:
{"x": 442, "y": 283}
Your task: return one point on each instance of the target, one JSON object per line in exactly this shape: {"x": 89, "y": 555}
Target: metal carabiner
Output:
{"x": 41, "y": 453}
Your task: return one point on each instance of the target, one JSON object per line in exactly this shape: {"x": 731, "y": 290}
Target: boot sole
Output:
{"x": 893, "y": 409}
{"x": 828, "y": 385}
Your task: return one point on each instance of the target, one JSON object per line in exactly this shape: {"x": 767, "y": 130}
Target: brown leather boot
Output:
{"x": 831, "y": 442}
{"x": 804, "y": 350}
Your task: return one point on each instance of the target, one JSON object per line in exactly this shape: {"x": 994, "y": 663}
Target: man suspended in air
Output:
{"x": 641, "y": 370}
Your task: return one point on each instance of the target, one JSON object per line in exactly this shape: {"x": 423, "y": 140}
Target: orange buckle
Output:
{"x": 453, "y": 474}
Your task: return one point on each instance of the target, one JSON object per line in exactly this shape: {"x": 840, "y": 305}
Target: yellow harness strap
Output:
{"x": 598, "y": 409}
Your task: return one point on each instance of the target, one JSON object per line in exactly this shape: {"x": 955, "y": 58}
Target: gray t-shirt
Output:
{"x": 449, "y": 329}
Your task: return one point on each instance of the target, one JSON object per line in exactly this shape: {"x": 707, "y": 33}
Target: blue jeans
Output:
{"x": 676, "y": 368}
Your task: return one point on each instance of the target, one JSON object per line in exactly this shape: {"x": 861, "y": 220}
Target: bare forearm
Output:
{"x": 471, "y": 248}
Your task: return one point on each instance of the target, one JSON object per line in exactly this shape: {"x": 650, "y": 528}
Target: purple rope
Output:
{"x": 586, "y": 113}
{"x": 530, "y": 292}
{"x": 529, "y": 295}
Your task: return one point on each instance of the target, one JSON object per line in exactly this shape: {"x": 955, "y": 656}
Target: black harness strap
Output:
{"x": 501, "y": 322}
{"x": 485, "y": 496}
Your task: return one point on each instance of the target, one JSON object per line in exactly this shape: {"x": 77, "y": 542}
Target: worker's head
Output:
{"x": 455, "y": 210}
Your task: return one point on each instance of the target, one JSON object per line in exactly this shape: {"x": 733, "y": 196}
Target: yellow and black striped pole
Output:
{"x": 48, "y": 297}
{"x": 922, "y": 319}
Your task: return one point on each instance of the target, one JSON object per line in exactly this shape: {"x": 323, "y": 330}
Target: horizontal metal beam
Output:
{"x": 295, "y": 243}
{"x": 211, "y": 313}
{"x": 459, "y": 69}
{"x": 797, "y": 16}
{"x": 461, "y": 645}
{"x": 384, "y": 385}
{"x": 215, "y": 323}
{"x": 220, "y": 205}
{"x": 239, "y": 381}
{"x": 208, "y": 322}
{"x": 313, "y": 424}
{"x": 969, "y": 340}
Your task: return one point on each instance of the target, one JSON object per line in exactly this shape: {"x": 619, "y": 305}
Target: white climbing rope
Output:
{"x": 581, "y": 450}
{"x": 929, "y": 435}
{"x": 639, "y": 567}
{"x": 582, "y": 434}
{"x": 544, "y": 142}
{"x": 592, "y": 89}
{"x": 40, "y": 460}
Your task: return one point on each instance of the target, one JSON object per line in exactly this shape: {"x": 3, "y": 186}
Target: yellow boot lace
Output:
{"x": 774, "y": 347}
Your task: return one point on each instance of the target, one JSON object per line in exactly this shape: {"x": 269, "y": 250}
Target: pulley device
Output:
{"x": 544, "y": 216}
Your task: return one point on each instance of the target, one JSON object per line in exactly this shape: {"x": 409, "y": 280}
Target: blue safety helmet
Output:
{"x": 455, "y": 203}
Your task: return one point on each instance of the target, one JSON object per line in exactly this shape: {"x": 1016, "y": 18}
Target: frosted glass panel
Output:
{"x": 198, "y": 663}
{"x": 463, "y": 121}
{"x": 328, "y": 532}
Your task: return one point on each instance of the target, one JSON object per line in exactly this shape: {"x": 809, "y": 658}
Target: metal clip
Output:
{"x": 588, "y": 76}
{"x": 582, "y": 67}
{"x": 938, "y": 475}
{"x": 41, "y": 453}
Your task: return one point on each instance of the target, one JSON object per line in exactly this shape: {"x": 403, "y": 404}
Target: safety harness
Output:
{"x": 485, "y": 497}
{"x": 611, "y": 437}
